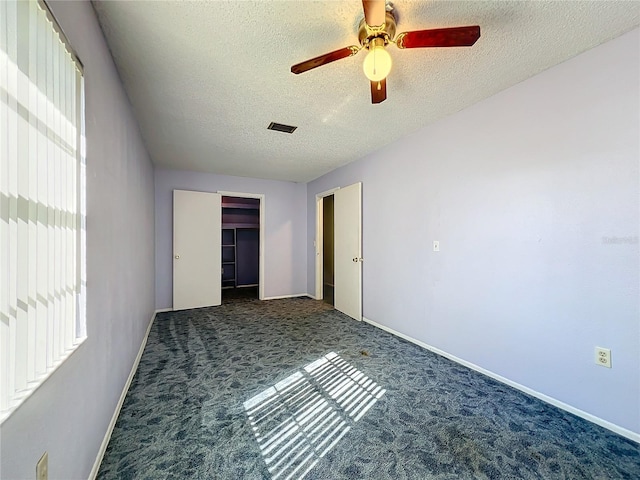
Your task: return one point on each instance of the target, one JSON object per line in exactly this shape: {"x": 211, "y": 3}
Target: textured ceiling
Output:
{"x": 206, "y": 78}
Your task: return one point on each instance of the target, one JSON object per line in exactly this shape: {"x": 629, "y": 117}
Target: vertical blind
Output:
{"x": 42, "y": 171}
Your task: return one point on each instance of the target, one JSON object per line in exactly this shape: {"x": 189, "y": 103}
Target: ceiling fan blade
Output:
{"x": 324, "y": 59}
{"x": 439, "y": 37}
{"x": 374, "y": 12}
{"x": 379, "y": 91}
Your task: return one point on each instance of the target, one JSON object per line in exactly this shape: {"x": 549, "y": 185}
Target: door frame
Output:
{"x": 259, "y": 196}
{"x": 318, "y": 243}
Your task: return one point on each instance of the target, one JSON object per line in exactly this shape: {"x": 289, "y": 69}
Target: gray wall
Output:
{"x": 69, "y": 414}
{"x": 525, "y": 192}
{"x": 285, "y": 228}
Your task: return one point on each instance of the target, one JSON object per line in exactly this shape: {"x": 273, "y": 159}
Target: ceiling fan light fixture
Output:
{"x": 377, "y": 30}
{"x": 377, "y": 63}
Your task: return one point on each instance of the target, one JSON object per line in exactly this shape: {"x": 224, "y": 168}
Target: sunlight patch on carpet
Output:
{"x": 298, "y": 420}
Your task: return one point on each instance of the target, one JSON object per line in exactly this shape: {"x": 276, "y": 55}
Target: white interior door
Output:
{"x": 348, "y": 250}
{"x": 197, "y": 262}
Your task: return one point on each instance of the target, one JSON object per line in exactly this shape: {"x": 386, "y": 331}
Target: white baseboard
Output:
{"x": 279, "y": 297}
{"x": 162, "y": 310}
{"x": 545, "y": 398}
{"x": 313, "y": 297}
{"x": 116, "y": 413}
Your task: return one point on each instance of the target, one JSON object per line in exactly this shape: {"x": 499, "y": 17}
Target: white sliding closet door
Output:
{"x": 348, "y": 250}
{"x": 197, "y": 262}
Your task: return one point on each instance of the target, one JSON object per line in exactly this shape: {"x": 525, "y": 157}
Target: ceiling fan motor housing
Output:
{"x": 386, "y": 31}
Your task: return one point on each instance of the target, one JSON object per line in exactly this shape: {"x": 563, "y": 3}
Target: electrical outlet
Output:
{"x": 603, "y": 357}
{"x": 42, "y": 467}
{"x": 436, "y": 246}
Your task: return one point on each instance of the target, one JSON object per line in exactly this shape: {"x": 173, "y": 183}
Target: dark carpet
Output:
{"x": 294, "y": 389}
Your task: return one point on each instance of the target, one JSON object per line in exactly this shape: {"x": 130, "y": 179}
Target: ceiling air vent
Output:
{"x": 279, "y": 127}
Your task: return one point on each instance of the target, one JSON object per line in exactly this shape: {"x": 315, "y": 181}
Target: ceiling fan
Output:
{"x": 378, "y": 29}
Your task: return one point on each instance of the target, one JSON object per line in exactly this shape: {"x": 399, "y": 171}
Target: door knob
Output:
{"x": 177, "y": 257}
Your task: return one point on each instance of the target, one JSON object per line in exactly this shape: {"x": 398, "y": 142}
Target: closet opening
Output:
{"x": 328, "y": 262}
{"x": 338, "y": 249}
{"x": 240, "y": 248}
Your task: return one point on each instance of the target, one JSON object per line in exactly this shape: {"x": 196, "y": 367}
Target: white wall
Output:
{"x": 523, "y": 191}
{"x": 285, "y": 228}
{"x": 69, "y": 414}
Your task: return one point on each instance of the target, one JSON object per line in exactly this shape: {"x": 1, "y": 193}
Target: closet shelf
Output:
{"x": 240, "y": 225}
{"x": 244, "y": 206}
{"x": 240, "y": 239}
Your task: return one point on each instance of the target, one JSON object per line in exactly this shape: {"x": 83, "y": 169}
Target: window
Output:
{"x": 42, "y": 200}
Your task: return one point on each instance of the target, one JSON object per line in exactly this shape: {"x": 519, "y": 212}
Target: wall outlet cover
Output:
{"x": 603, "y": 357}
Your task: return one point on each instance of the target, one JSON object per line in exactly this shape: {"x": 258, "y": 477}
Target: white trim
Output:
{"x": 326, "y": 193}
{"x": 295, "y": 295}
{"x": 123, "y": 395}
{"x": 240, "y": 194}
{"x": 541, "y": 396}
{"x": 312, "y": 297}
{"x": 162, "y": 310}
{"x": 261, "y": 197}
